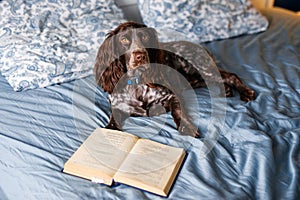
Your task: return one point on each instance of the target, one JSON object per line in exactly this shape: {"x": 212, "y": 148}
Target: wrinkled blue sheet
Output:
{"x": 253, "y": 154}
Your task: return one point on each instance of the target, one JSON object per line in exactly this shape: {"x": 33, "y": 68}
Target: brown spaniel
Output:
{"x": 131, "y": 67}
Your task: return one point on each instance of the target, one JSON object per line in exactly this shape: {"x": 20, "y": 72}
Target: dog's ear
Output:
{"x": 156, "y": 53}
{"x": 108, "y": 68}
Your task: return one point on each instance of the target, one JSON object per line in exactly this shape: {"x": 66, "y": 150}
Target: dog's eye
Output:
{"x": 124, "y": 40}
{"x": 145, "y": 38}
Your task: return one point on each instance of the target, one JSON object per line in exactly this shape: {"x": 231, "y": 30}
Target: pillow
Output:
{"x": 201, "y": 20}
{"x": 44, "y": 42}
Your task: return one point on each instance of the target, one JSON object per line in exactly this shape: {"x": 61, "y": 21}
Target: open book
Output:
{"x": 109, "y": 156}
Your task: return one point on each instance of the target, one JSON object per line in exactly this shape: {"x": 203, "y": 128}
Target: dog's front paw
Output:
{"x": 247, "y": 95}
{"x": 112, "y": 125}
{"x": 189, "y": 129}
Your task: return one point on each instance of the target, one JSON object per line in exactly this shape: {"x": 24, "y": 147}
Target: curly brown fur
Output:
{"x": 127, "y": 67}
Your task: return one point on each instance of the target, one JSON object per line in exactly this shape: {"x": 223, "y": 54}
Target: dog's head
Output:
{"x": 128, "y": 47}
{"x": 135, "y": 42}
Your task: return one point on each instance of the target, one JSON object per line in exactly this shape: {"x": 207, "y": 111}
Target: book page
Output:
{"x": 151, "y": 166}
{"x": 102, "y": 153}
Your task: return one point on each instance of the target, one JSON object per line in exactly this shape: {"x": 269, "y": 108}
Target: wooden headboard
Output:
{"x": 259, "y": 4}
{"x": 130, "y": 9}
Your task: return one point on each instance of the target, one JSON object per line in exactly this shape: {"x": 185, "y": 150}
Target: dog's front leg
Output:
{"x": 181, "y": 120}
{"x": 112, "y": 124}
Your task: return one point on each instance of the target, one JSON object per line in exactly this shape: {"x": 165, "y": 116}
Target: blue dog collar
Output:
{"x": 133, "y": 80}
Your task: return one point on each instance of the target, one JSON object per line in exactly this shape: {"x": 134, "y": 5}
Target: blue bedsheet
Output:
{"x": 255, "y": 152}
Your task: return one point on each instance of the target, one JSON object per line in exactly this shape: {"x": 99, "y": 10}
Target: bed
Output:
{"x": 254, "y": 153}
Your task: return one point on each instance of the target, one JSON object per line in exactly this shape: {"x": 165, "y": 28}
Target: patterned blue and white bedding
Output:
{"x": 256, "y": 154}
{"x": 55, "y": 41}
{"x": 201, "y": 20}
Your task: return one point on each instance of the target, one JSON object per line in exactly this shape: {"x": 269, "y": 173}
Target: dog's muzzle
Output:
{"x": 138, "y": 58}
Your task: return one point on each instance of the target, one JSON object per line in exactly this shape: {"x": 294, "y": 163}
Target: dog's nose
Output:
{"x": 139, "y": 56}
